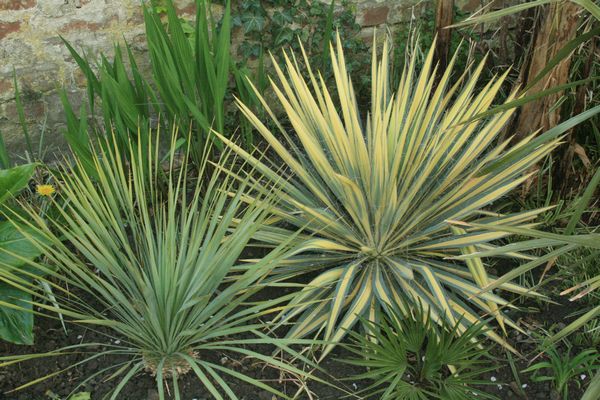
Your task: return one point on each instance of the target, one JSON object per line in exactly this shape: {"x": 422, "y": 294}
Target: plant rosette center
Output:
{"x": 371, "y": 253}
{"x": 170, "y": 364}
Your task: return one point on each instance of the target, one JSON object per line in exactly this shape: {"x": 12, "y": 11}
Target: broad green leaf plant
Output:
{"x": 379, "y": 193}
{"x": 143, "y": 255}
{"x": 16, "y": 325}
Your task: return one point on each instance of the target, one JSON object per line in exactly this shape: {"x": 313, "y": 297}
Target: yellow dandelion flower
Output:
{"x": 45, "y": 190}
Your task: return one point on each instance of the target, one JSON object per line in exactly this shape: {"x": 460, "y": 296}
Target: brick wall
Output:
{"x": 30, "y": 45}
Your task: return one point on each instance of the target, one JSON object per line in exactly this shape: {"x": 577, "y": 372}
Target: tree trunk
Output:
{"x": 443, "y": 17}
{"x": 523, "y": 40}
{"x": 567, "y": 151}
{"x": 558, "y": 26}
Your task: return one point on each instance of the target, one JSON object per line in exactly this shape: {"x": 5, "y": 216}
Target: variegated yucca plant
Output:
{"x": 382, "y": 195}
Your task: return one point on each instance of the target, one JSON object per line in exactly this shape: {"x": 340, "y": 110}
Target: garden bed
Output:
{"x": 49, "y": 336}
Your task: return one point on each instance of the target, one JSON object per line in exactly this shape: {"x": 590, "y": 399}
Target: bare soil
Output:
{"x": 50, "y": 336}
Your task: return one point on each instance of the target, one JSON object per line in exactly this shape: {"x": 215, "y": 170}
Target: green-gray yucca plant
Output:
{"x": 143, "y": 255}
{"x": 383, "y": 196}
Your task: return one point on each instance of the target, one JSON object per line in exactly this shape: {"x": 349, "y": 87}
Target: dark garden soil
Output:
{"x": 50, "y": 336}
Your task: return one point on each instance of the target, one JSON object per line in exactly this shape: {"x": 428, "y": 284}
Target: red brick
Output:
{"x": 79, "y": 78}
{"x": 32, "y": 108}
{"x": 17, "y": 4}
{"x": 6, "y": 85}
{"x": 185, "y": 7}
{"x": 80, "y": 25}
{"x": 187, "y": 10}
{"x": 375, "y": 16}
{"x": 6, "y": 28}
{"x": 137, "y": 18}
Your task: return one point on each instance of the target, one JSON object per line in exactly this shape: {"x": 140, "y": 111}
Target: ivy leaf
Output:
{"x": 253, "y": 22}
{"x": 282, "y": 18}
{"x": 284, "y": 37}
{"x": 187, "y": 28}
{"x": 252, "y": 6}
{"x": 236, "y": 21}
{"x": 250, "y": 49}
{"x": 316, "y": 9}
{"x": 283, "y": 2}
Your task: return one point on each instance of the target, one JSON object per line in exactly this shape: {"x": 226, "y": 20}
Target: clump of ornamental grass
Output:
{"x": 393, "y": 201}
{"x": 143, "y": 254}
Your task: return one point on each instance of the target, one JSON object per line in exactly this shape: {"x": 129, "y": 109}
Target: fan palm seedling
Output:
{"x": 143, "y": 256}
{"x": 411, "y": 358}
{"x": 381, "y": 195}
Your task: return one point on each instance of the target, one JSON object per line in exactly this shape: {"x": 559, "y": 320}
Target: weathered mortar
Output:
{"x": 30, "y": 45}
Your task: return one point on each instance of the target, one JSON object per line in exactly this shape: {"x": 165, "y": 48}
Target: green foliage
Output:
{"x": 415, "y": 41}
{"x": 561, "y": 368}
{"x": 271, "y": 25}
{"x": 494, "y": 15}
{"x": 562, "y": 214}
{"x": 195, "y": 94}
{"x": 577, "y": 268}
{"x": 145, "y": 254}
{"x": 15, "y": 245}
{"x": 584, "y": 70}
{"x": 589, "y": 336}
{"x": 75, "y": 396}
{"x": 409, "y": 357}
{"x": 5, "y": 161}
{"x": 561, "y": 245}
{"x": 192, "y": 92}
{"x": 21, "y": 113}
{"x": 16, "y": 319}
{"x": 190, "y": 73}
{"x": 247, "y": 82}
{"x": 593, "y": 391}
{"x": 294, "y": 21}
{"x": 541, "y": 194}
{"x": 13, "y": 180}
{"x": 124, "y": 103}
{"x": 16, "y": 323}
{"x": 576, "y": 255}
{"x": 583, "y": 203}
